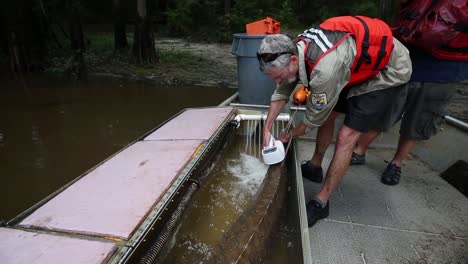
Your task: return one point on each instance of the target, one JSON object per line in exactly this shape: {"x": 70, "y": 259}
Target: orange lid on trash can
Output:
{"x": 265, "y": 26}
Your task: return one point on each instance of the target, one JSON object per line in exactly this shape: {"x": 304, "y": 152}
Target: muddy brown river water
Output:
{"x": 52, "y": 130}
{"x": 240, "y": 214}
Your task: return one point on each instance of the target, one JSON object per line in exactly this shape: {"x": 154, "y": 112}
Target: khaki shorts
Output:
{"x": 425, "y": 109}
{"x": 420, "y": 108}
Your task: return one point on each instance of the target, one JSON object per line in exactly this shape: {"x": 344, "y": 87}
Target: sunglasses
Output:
{"x": 269, "y": 57}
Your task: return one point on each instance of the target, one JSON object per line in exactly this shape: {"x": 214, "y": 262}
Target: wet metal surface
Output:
{"x": 18, "y": 247}
{"x": 192, "y": 124}
{"x": 53, "y": 130}
{"x": 115, "y": 197}
{"x": 421, "y": 220}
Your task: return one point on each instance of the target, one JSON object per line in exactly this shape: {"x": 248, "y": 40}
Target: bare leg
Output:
{"x": 365, "y": 140}
{"x": 346, "y": 140}
{"x": 405, "y": 146}
{"x": 324, "y": 139}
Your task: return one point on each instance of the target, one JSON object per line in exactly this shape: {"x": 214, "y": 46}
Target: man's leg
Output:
{"x": 312, "y": 169}
{"x": 324, "y": 139}
{"x": 405, "y": 146}
{"x": 359, "y": 154}
{"x": 392, "y": 174}
{"x": 318, "y": 208}
{"x": 394, "y": 105}
{"x": 426, "y": 105}
{"x": 362, "y": 111}
{"x": 346, "y": 140}
{"x": 364, "y": 142}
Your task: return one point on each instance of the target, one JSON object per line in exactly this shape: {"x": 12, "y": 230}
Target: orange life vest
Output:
{"x": 374, "y": 44}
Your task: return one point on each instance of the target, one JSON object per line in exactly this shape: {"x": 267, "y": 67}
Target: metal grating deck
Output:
{"x": 421, "y": 220}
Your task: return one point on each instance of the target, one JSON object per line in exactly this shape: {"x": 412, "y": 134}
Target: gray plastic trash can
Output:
{"x": 254, "y": 86}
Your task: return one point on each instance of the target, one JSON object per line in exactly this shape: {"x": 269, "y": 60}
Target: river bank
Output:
{"x": 185, "y": 62}
{"x": 181, "y": 62}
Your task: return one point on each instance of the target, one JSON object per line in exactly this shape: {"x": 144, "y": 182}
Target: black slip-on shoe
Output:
{"x": 391, "y": 175}
{"x": 315, "y": 212}
{"x": 358, "y": 159}
{"x": 311, "y": 172}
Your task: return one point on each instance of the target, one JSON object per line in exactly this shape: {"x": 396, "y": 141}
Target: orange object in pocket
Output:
{"x": 300, "y": 96}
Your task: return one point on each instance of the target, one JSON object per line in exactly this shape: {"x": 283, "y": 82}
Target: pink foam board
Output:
{"x": 192, "y": 124}
{"x": 21, "y": 247}
{"x": 114, "y": 199}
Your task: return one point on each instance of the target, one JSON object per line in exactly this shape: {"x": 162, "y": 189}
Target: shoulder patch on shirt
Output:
{"x": 319, "y": 100}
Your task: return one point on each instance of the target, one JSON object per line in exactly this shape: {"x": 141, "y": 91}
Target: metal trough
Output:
{"x": 248, "y": 238}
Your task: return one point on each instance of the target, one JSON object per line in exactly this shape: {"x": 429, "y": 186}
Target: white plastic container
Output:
{"x": 274, "y": 152}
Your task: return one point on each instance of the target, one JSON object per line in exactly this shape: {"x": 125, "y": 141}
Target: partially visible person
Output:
{"x": 350, "y": 64}
{"x": 433, "y": 81}
{"x": 432, "y": 85}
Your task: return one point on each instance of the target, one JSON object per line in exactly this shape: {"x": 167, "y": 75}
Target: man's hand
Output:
{"x": 273, "y": 112}
{"x": 284, "y": 137}
{"x": 298, "y": 131}
{"x": 266, "y": 137}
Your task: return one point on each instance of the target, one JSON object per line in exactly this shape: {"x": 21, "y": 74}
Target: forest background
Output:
{"x": 120, "y": 37}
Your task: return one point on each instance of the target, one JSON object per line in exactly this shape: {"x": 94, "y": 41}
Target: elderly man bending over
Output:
{"x": 351, "y": 65}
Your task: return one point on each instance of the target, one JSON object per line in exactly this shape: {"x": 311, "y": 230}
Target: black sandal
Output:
{"x": 391, "y": 175}
{"x": 358, "y": 159}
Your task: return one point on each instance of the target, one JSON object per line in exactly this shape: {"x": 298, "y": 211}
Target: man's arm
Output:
{"x": 275, "y": 109}
{"x": 279, "y": 98}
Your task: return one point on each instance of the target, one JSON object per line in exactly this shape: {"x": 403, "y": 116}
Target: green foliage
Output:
{"x": 182, "y": 58}
{"x": 179, "y": 17}
{"x": 100, "y": 48}
{"x": 100, "y": 42}
{"x": 3, "y": 58}
{"x": 311, "y": 13}
{"x": 286, "y": 15}
{"x": 364, "y": 7}
{"x": 193, "y": 18}
{"x": 207, "y": 20}
{"x": 243, "y": 12}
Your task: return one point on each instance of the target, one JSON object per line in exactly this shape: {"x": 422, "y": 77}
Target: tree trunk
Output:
{"x": 76, "y": 66}
{"x": 24, "y": 36}
{"x": 120, "y": 34}
{"x": 388, "y": 10}
{"x": 227, "y": 7}
{"x": 19, "y": 62}
{"x": 76, "y": 29}
{"x": 144, "y": 51}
